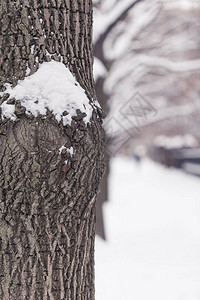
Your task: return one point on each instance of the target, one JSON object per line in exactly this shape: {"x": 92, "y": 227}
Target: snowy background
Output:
{"x": 148, "y": 53}
{"x": 153, "y": 234}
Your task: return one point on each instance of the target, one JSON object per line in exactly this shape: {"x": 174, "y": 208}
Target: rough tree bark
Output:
{"x": 47, "y": 209}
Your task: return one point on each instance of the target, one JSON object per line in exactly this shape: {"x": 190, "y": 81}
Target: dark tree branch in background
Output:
{"x": 152, "y": 49}
{"x": 98, "y": 46}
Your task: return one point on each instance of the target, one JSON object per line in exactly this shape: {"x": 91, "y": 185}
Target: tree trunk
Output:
{"x": 47, "y": 208}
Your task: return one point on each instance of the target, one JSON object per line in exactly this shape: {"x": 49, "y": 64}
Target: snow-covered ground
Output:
{"x": 153, "y": 232}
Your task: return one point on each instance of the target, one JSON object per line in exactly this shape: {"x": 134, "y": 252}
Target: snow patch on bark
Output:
{"x": 61, "y": 149}
{"x": 52, "y": 87}
{"x": 68, "y": 150}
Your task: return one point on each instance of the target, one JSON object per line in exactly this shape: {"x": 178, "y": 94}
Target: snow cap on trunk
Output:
{"x": 52, "y": 86}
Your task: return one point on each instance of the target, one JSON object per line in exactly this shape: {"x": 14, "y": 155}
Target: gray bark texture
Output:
{"x": 47, "y": 208}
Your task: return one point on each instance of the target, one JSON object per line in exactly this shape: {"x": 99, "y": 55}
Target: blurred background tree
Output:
{"x": 147, "y": 68}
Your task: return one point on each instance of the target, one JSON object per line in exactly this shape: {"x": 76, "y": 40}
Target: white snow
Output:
{"x": 8, "y": 110}
{"x": 68, "y": 150}
{"x": 52, "y": 86}
{"x": 182, "y": 4}
{"x": 99, "y": 69}
{"x": 153, "y": 231}
{"x": 61, "y": 149}
{"x": 32, "y": 49}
